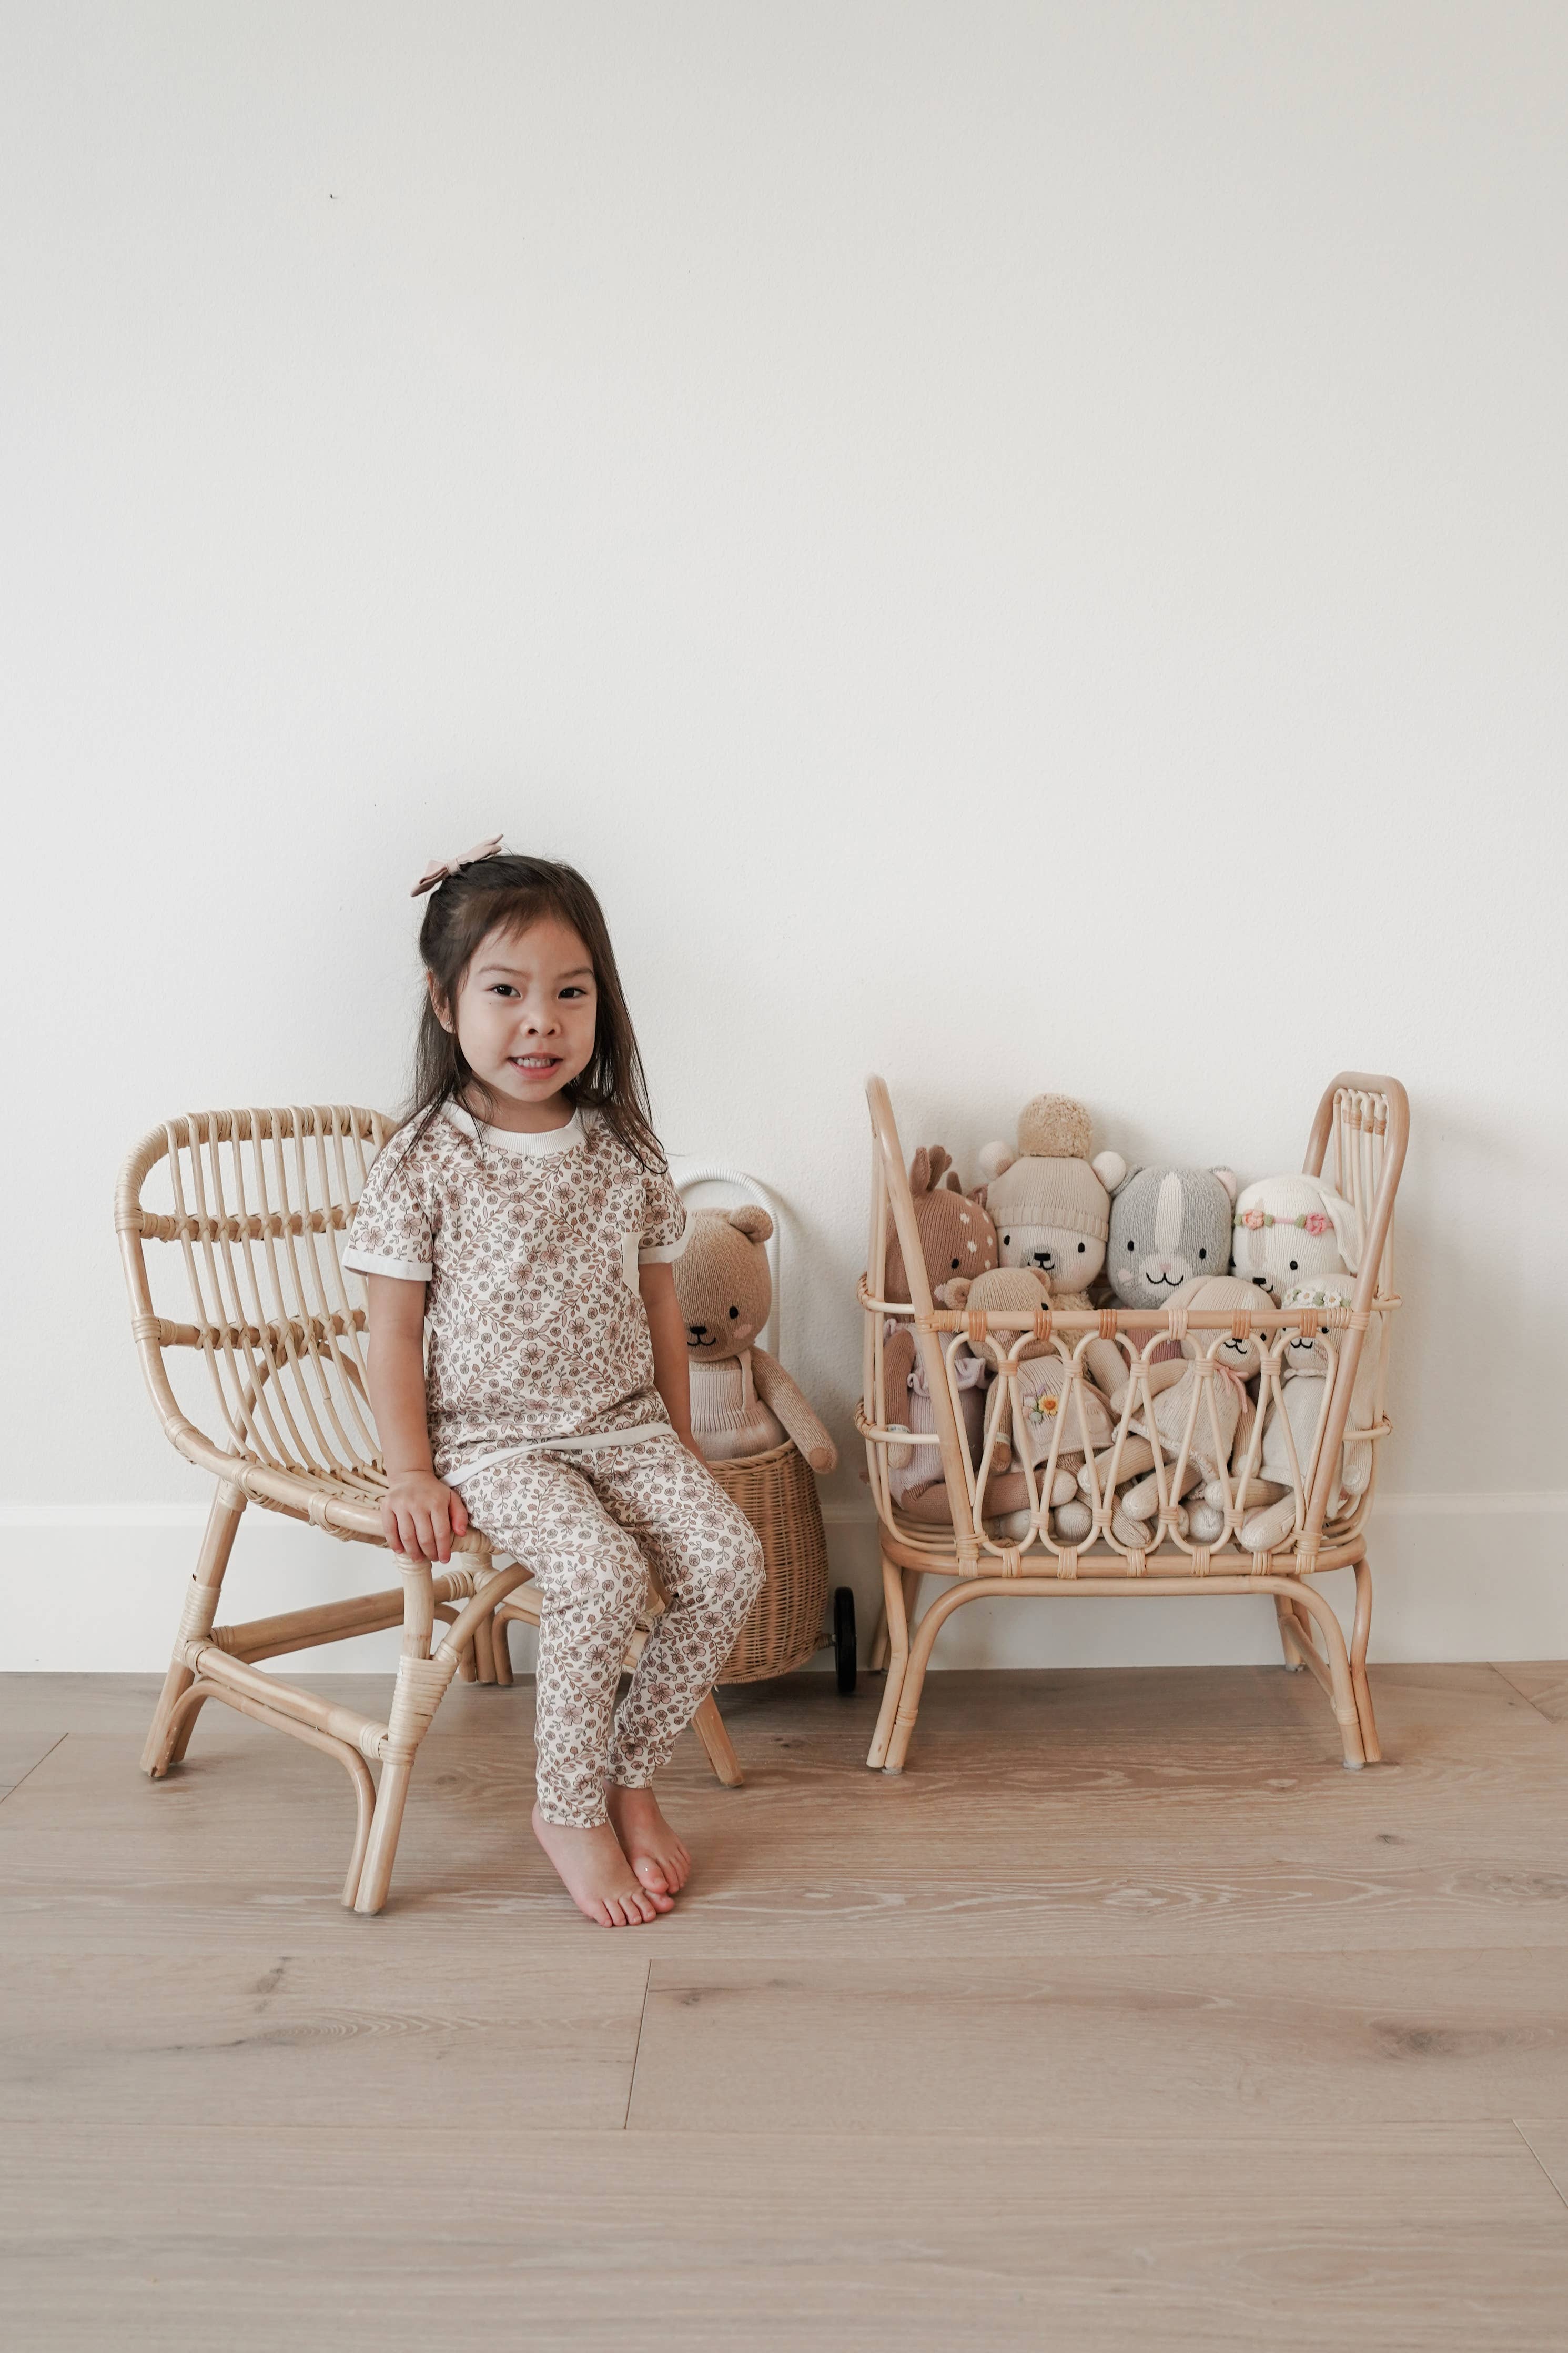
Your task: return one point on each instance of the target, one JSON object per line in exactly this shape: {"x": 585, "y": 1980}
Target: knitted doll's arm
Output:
{"x": 782, "y": 1397}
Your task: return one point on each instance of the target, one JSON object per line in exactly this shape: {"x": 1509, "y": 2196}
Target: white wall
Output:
{"x": 1019, "y": 547}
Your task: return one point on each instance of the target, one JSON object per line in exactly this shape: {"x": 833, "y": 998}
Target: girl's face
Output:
{"x": 525, "y": 1016}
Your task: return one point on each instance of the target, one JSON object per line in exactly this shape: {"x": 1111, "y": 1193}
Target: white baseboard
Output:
{"x": 97, "y": 1588}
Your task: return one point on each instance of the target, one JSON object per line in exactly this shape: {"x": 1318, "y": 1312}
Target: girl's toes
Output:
{"x": 652, "y": 1874}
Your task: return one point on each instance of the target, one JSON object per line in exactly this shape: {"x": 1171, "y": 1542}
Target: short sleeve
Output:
{"x": 663, "y": 1236}
{"x": 392, "y": 1229}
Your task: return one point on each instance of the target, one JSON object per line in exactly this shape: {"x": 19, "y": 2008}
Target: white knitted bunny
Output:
{"x": 1293, "y": 1229}
{"x": 1298, "y": 1410}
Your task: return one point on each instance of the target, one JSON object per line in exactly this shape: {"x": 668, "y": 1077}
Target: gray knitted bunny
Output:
{"x": 1170, "y": 1228}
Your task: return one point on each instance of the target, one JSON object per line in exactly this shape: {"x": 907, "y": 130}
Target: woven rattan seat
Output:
{"x": 256, "y": 1205}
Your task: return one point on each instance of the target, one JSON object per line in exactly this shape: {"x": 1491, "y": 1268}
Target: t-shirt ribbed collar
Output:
{"x": 507, "y": 1139}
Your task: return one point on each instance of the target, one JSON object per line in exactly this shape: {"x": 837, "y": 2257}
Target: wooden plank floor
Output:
{"x": 1126, "y": 2017}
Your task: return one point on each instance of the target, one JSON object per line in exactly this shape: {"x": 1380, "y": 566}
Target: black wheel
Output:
{"x": 844, "y": 1638}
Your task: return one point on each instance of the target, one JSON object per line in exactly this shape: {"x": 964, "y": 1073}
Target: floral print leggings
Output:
{"x": 591, "y": 1527}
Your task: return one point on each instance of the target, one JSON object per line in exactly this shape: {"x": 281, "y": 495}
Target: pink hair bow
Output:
{"x": 440, "y": 867}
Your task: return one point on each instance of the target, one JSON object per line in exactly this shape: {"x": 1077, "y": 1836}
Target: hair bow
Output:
{"x": 440, "y": 867}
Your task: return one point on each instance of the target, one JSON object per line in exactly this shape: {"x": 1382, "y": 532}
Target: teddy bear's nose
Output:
{"x": 696, "y": 1330}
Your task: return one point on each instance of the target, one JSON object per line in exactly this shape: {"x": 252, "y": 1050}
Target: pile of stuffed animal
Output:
{"x": 1051, "y": 1224}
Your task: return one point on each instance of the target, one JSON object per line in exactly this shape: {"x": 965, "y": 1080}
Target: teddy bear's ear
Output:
{"x": 954, "y": 1293}
{"x": 755, "y": 1224}
{"x": 1110, "y": 1168}
{"x": 1228, "y": 1178}
{"x": 920, "y": 1172}
{"x": 995, "y": 1160}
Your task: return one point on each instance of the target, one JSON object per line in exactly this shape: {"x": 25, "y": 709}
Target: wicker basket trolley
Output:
{"x": 777, "y": 1492}
{"x": 257, "y": 1202}
{"x": 1361, "y": 1128}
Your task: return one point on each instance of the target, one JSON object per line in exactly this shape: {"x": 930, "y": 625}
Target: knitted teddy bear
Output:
{"x": 957, "y": 1236}
{"x": 742, "y": 1400}
{"x": 1050, "y": 1201}
{"x": 1293, "y": 1229}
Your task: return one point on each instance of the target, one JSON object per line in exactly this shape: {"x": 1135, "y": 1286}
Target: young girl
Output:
{"x": 518, "y": 1232}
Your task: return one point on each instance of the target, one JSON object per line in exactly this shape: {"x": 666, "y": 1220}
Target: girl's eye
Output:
{"x": 502, "y": 988}
{"x": 573, "y": 990}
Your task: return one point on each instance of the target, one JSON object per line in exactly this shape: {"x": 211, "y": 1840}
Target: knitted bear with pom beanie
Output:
{"x": 1049, "y": 1200}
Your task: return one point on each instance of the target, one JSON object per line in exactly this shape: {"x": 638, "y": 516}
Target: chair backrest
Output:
{"x": 255, "y": 1204}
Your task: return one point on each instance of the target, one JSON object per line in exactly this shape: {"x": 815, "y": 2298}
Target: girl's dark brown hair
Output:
{"x": 506, "y": 893}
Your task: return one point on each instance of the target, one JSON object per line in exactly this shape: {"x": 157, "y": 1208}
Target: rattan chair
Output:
{"x": 258, "y": 1203}
{"x": 1364, "y": 1121}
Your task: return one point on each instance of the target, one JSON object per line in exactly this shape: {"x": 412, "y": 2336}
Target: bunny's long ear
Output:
{"x": 1347, "y": 1226}
{"x": 754, "y": 1223}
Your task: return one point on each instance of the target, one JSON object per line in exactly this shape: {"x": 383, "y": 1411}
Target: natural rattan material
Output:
{"x": 257, "y": 1205}
{"x": 777, "y": 1492}
{"x": 1361, "y": 1131}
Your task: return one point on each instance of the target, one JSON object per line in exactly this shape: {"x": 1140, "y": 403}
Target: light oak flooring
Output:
{"x": 1125, "y": 2018}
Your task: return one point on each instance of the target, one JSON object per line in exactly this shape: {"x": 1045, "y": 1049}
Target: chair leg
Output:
{"x": 1362, "y": 1689}
{"x": 1294, "y": 1661}
{"x": 896, "y": 1617}
{"x": 709, "y": 1726}
{"x": 422, "y": 1684}
{"x": 164, "y": 1747}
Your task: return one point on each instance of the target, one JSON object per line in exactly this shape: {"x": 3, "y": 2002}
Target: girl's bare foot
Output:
{"x": 597, "y": 1875}
{"x": 649, "y": 1846}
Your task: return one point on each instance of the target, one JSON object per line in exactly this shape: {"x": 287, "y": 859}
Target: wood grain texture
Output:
{"x": 1188, "y": 1811}
{"x": 274, "y": 2037}
{"x": 1165, "y": 2043}
{"x": 1309, "y": 2003}
{"x": 1446, "y": 2240}
{"x": 1548, "y": 2137}
{"x": 1543, "y": 1683}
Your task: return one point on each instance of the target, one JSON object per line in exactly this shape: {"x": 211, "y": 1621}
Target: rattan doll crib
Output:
{"x": 1363, "y": 1123}
{"x": 257, "y": 1202}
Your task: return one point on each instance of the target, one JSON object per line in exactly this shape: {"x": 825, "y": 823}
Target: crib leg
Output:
{"x": 1358, "y": 1633}
{"x": 896, "y": 1619}
{"x": 1346, "y": 1713}
{"x": 1294, "y": 1661}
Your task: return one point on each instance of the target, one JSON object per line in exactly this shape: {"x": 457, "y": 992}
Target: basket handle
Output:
{"x": 687, "y": 1173}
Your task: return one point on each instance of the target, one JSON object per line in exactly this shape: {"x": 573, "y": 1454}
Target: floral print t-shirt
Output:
{"x": 529, "y": 1246}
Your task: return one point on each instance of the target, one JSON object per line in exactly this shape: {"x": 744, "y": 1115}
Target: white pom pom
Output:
{"x": 1228, "y": 1178}
{"x": 995, "y": 1160}
{"x": 1110, "y": 1167}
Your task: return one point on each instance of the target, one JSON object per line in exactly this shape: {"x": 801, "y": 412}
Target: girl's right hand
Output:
{"x": 421, "y": 1515}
